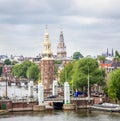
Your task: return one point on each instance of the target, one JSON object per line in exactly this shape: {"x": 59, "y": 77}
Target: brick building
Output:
{"x": 47, "y": 64}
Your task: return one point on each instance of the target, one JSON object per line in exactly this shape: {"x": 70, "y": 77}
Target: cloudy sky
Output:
{"x": 89, "y": 26}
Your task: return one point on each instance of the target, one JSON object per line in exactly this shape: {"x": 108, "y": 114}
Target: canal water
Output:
{"x": 52, "y": 115}
{"x": 55, "y": 115}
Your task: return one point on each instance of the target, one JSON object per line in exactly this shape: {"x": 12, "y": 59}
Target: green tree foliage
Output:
{"x": 17, "y": 70}
{"x": 76, "y": 73}
{"x": 117, "y": 55}
{"x": 77, "y": 55}
{"x": 7, "y": 62}
{"x": 21, "y": 70}
{"x": 58, "y": 61}
{"x": 66, "y": 73}
{"x": 33, "y": 72}
{"x": 84, "y": 67}
{"x": 14, "y": 62}
{"x": 24, "y": 66}
{"x": 101, "y": 58}
{"x": 114, "y": 85}
{"x": 89, "y": 56}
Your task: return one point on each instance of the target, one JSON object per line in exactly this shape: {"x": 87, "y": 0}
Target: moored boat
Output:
{"x": 106, "y": 107}
{"x": 2, "y": 112}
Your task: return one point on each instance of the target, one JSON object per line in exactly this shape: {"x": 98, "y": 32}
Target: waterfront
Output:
{"x": 14, "y": 91}
{"x": 55, "y": 115}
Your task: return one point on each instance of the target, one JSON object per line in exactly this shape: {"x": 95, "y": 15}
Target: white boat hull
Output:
{"x": 106, "y": 107}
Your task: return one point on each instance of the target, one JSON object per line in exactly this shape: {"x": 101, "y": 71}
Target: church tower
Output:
{"x": 47, "y": 63}
{"x": 61, "y": 48}
{"x": 112, "y": 53}
{"x": 107, "y": 54}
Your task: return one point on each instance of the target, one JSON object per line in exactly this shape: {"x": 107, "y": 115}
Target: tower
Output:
{"x": 61, "y": 48}
{"x": 47, "y": 63}
{"x": 107, "y": 54}
{"x": 112, "y": 52}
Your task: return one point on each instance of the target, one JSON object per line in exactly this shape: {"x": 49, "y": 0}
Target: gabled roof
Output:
{"x": 115, "y": 64}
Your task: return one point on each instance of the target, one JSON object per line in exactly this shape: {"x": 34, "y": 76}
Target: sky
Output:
{"x": 89, "y": 26}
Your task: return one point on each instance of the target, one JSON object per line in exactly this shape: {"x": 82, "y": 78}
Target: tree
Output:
{"x": 58, "y": 61}
{"x": 66, "y": 73}
{"x": 76, "y": 73}
{"x": 82, "y": 68}
{"x": 101, "y": 58}
{"x": 7, "y": 62}
{"x": 117, "y": 55}
{"x": 17, "y": 70}
{"x": 20, "y": 70}
{"x": 26, "y": 69}
{"x": 14, "y": 62}
{"x": 33, "y": 72}
{"x": 77, "y": 55}
{"x": 114, "y": 85}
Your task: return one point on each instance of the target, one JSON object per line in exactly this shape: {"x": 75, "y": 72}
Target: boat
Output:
{"x": 106, "y": 107}
{"x": 2, "y": 112}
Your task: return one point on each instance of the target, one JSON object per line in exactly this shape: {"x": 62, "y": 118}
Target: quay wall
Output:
{"x": 16, "y": 106}
{"x": 23, "y": 105}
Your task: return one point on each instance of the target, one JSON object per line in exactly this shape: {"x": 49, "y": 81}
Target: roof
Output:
{"x": 115, "y": 64}
{"x": 105, "y": 65}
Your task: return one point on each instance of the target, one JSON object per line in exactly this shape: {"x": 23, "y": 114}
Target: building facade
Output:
{"x": 47, "y": 63}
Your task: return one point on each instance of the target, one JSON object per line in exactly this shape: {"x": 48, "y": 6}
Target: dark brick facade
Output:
{"x": 47, "y": 73}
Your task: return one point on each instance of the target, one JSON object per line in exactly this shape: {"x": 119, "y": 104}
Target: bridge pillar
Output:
{"x": 40, "y": 94}
{"x": 30, "y": 89}
{"x": 66, "y": 93}
{"x": 55, "y": 88}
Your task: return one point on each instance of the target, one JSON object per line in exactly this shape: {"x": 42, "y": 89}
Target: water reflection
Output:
{"x": 79, "y": 115}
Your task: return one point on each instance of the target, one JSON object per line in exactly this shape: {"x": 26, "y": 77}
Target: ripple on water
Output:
{"x": 80, "y": 115}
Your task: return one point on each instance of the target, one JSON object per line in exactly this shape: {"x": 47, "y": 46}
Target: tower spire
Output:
{"x": 47, "y": 52}
{"x": 112, "y": 52}
{"x": 61, "y": 48}
{"x": 61, "y": 39}
{"x": 107, "y": 52}
{"x": 47, "y": 63}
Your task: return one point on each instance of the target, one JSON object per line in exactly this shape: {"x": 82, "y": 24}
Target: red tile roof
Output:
{"x": 104, "y": 65}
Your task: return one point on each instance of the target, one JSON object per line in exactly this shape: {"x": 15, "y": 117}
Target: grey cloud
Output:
{"x": 73, "y": 7}
{"x": 34, "y": 7}
{"x": 98, "y": 8}
{"x": 29, "y": 19}
{"x": 23, "y": 6}
{"x": 89, "y": 26}
{"x": 39, "y": 11}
